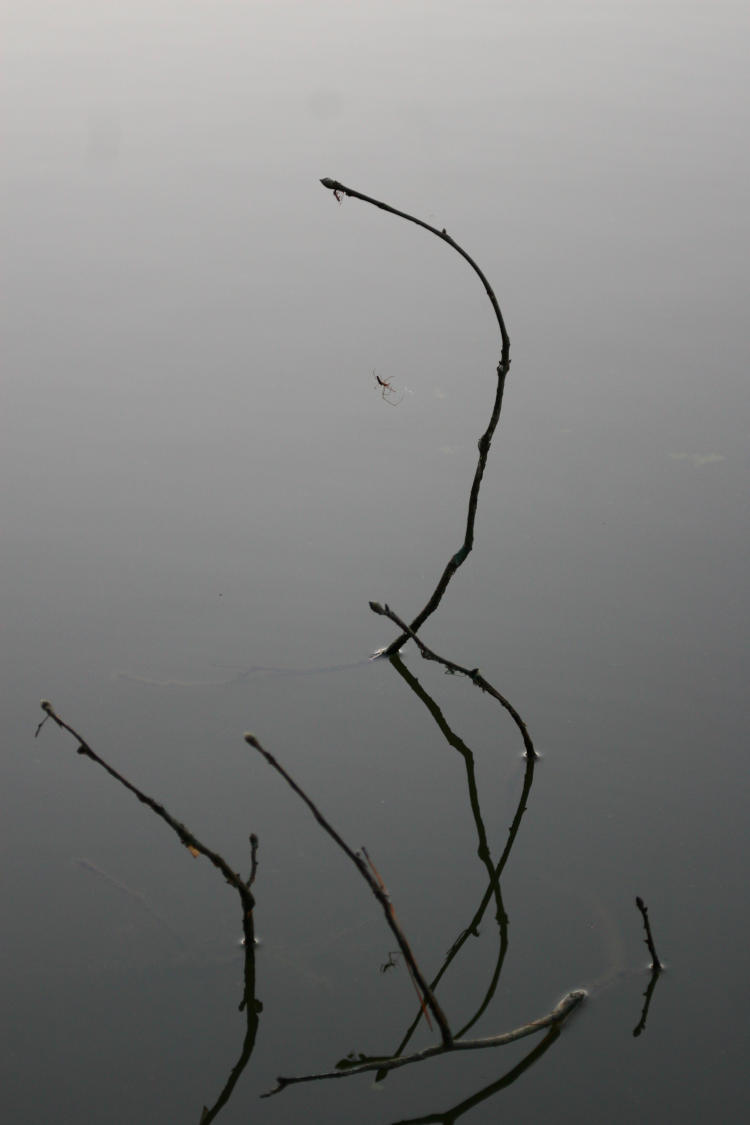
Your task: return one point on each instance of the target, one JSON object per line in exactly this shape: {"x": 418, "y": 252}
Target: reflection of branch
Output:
{"x": 471, "y": 929}
{"x": 552, "y": 1019}
{"x": 493, "y": 887}
{"x": 186, "y": 837}
{"x": 252, "y": 1009}
{"x": 376, "y": 886}
{"x": 450, "y": 1116}
{"x": 249, "y": 1004}
{"x": 473, "y": 673}
{"x": 484, "y": 442}
{"x": 641, "y": 1025}
{"x": 483, "y": 850}
{"x": 448, "y": 1044}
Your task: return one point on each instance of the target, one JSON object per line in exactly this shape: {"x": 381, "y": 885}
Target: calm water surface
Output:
{"x": 201, "y": 480}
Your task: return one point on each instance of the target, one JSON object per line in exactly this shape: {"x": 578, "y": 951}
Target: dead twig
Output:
{"x": 553, "y": 1019}
{"x": 485, "y": 440}
{"x": 185, "y": 836}
{"x": 473, "y": 673}
{"x": 384, "y": 889}
{"x": 338, "y": 188}
{"x": 376, "y": 886}
{"x": 656, "y": 964}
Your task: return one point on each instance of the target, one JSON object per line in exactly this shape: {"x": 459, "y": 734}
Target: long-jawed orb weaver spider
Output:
{"x": 388, "y": 392}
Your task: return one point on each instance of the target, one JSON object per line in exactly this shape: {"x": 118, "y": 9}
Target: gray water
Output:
{"x": 201, "y": 479}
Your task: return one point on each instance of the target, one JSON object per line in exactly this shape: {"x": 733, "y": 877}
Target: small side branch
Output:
{"x": 473, "y": 673}
{"x": 656, "y": 964}
{"x": 553, "y": 1019}
{"x": 376, "y": 886}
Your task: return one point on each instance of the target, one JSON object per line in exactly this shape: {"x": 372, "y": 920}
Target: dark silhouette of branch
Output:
{"x": 472, "y": 673}
{"x": 450, "y": 1116}
{"x": 449, "y": 1043}
{"x": 553, "y": 1019}
{"x": 494, "y": 872}
{"x": 374, "y": 883}
{"x": 484, "y": 441}
{"x": 656, "y": 968}
{"x": 252, "y": 1009}
{"x": 248, "y": 1004}
{"x": 656, "y": 964}
{"x": 641, "y": 1025}
{"x": 334, "y": 185}
{"x": 185, "y": 836}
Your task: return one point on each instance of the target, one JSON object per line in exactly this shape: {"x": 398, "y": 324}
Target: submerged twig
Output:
{"x": 376, "y": 886}
{"x": 554, "y": 1018}
{"x": 484, "y": 441}
{"x": 473, "y": 673}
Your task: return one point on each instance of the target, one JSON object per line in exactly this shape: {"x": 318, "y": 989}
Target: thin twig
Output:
{"x": 656, "y": 964}
{"x": 384, "y": 889}
{"x": 334, "y": 185}
{"x": 494, "y": 872}
{"x": 553, "y": 1018}
{"x": 252, "y": 1009}
{"x": 485, "y": 440}
{"x": 186, "y": 837}
{"x": 253, "y": 859}
{"x": 473, "y": 673}
{"x": 380, "y": 894}
{"x": 641, "y": 1025}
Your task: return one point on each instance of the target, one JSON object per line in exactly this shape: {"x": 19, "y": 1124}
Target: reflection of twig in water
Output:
{"x": 375, "y": 884}
{"x": 483, "y": 850}
{"x": 493, "y": 887}
{"x": 249, "y": 1004}
{"x": 252, "y": 1009}
{"x": 473, "y": 673}
{"x": 641, "y": 1025}
{"x": 449, "y": 1043}
{"x": 553, "y": 1019}
{"x": 450, "y": 1116}
{"x": 485, "y": 440}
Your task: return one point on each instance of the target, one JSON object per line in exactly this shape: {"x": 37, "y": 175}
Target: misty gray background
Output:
{"x": 199, "y": 477}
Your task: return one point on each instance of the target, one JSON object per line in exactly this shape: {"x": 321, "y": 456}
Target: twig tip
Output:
{"x": 251, "y": 740}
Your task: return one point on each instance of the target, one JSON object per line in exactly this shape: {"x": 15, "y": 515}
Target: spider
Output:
{"x": 387, "y": 390}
